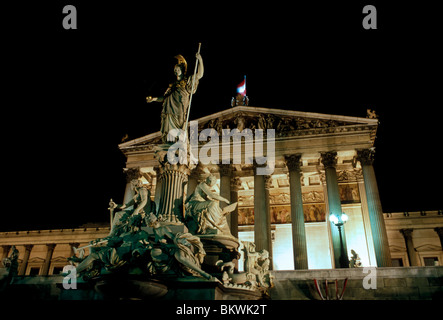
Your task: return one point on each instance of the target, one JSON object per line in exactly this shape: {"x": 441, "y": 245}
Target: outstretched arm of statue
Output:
{"x": 126, "y": 205}
{"x": 200, "y": 69}
{"x": 154, "y": 99}
{"x": 213, "y": 195}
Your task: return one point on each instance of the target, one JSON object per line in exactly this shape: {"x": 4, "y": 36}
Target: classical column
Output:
{"x": 297, "y": 216}
{"x": 225, "y": 171}
{"x": 268, "y": 185}
{"x": 365, "y": 215}
{"x": 439, "y": 231}
{"x": 379, "y": 234}
{"x": 50, "y": 250}
{"x": 329, "y": 160}
{"x": 412, "y": 257}
{"x": 158, "y": 188}
{"x": 24, "y": 263}
{"x": 235, "y": 186}
{"x": 262, "y": 219}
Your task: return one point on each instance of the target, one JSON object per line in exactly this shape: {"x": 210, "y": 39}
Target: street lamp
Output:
{"x": 339, "y": 221}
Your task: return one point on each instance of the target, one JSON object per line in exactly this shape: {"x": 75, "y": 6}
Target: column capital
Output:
{"x": 366, "y": 156}
{"x": 293, "y": 161}
{"x": 235, "y": 183}
{"x": 407, "y": 233}
{"x": 225, "y": 169}
{"x": 329, "y": 159}
{"x": 28, "y": 247}
{"x": 131, "y": 174}
{"x": 51, "y": 246}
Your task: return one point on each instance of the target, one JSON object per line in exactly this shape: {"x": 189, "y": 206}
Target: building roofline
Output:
{"x": 259, "y": 110}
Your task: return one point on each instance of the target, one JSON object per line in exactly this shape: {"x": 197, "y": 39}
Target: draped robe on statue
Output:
{"x": 175, "y": 106}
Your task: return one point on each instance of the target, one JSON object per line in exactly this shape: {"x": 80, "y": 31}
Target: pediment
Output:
{"x": 395, "y": 248}
{"x": 428, "y": 247}
{"x": 59, "y": 259}
{"x": 36, "y": 260}
{"x": 287, "y": 123}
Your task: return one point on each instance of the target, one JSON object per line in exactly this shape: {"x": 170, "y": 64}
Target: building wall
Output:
{"x": 63, "y": 239}
{"x": 426, "y": 241}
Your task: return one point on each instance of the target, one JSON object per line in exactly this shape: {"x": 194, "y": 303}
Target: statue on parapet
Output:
{"x": 257, "y": 263}
{"x": 354, "y": 262}
{"x": 256, "y": 270}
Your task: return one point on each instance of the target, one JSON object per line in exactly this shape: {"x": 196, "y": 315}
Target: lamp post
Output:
{"x": 339, "y": 221}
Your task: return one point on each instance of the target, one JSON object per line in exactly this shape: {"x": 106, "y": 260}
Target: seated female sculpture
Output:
{"x": 203, "y": 213}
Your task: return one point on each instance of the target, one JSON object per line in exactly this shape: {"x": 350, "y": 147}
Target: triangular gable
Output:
{"x": 428, "y": 247}
{"x": 285, "y": 122}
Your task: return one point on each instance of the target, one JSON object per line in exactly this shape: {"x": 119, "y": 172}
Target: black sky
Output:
{"x": 76, "y": 93}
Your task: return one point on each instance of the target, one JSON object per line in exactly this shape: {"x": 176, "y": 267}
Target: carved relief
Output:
{"x": 314, "y": 212}
{"x": 281, "y": 198}
{"x": 245, "y": 201}
{"x": 313, "y": 197}
{"x": 349, "y": 193}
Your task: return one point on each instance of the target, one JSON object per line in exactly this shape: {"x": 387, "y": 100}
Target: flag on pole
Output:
{"x": 241, "y": 88}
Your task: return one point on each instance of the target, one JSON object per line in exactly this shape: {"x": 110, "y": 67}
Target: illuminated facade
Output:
{"x": 323, "y": 164}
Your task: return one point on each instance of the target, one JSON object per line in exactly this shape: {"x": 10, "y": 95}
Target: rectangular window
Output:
{"x": 430, "y": 261}
{"x": 57, "y": 270}
{"x": 34, "y": 271}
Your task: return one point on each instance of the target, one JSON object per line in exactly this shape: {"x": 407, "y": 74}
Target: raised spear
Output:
{"x": 192, "y": 91}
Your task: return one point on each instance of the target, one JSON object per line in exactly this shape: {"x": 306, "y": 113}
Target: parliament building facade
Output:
{"x": 322, "y": 164}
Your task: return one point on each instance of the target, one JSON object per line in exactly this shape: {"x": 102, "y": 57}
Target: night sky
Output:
{"x": 76, "y": 93}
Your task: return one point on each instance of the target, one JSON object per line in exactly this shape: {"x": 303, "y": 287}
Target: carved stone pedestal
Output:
{"x": 219, "y": 247}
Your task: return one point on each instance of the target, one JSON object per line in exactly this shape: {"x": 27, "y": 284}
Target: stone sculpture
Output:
{"x": 354, "y": 262}
{"x": 176, "y": 98}
{"x": 141, "y": 201}
{"x": 156, "y": 244}
{"x": 203, "y": 212}
{"x": 257, "y": 263}
{"x": 10, "y": 268}
{"x": 256, "y": 270}
{"x": 185, "y": 248}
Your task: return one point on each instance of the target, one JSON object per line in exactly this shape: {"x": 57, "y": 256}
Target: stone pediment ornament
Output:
{"x": 428, "y": 247}
{"x": 286, "y": 123}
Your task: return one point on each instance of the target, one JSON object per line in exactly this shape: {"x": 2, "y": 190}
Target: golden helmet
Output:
{"x": 182, "y": 60}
